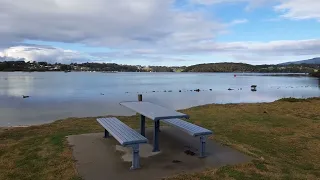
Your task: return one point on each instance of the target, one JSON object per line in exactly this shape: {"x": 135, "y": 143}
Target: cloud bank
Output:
{"x": 48, "y": 54}
{"x": 154, "y": 30}
{"x": 109, "y": 23}
{"x": 300, "y": 9}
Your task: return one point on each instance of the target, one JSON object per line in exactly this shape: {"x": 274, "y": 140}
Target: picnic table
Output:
{"x": 155, "y": 113}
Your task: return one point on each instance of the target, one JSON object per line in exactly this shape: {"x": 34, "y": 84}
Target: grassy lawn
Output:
{"x": 283, "y": 137}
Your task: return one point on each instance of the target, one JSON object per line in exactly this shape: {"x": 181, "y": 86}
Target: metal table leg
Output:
{"x": 106, "y": 134}
{"x": 136, "y": 157}
{"x": 156, "y": 137}
{"x": 202, "y": 146}
{"x": 142, "y": 125}
{"x": 159, "y": 127}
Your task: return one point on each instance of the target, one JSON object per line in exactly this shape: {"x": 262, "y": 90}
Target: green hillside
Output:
{"x": 222, "y": 67}
{"x": 241, "y": 67}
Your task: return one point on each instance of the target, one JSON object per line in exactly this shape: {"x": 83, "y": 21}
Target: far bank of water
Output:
{"x": 58, "y": 95}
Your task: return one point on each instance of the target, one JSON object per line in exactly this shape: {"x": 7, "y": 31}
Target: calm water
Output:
{"x": 56, "y": 95}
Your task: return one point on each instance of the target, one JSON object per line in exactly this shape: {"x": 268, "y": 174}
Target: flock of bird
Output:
{"x": 199, "y": 90}
{"x": 229, "y": 89}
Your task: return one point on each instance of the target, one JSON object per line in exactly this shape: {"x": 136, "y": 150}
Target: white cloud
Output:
{"x": 250, "y": 52}
{"x": 112, "y": 23}
{"x": 238, "y": 21}
{"x": 48, "y": 54}
{"x": 141, "y": 29}
{"x": 251, "y": 3}
{"x": 300, "y": 9}
{"x": 274, "y": 48}
{"x": 253, "y": 52}
{"x": 209, "y": 2}
{"x": 293, "y": 9}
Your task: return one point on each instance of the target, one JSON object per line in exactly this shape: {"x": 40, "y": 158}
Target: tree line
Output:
{"x": 242, "y": 67}
{"x": 316, "y": 74}
{"x": 112, "y": 67}
{"x": 105, "y": 67}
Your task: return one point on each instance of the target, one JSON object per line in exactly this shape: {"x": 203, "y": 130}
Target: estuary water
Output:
{"x": 58, "y": 95}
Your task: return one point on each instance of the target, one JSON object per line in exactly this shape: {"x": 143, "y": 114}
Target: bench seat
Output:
{"x": 124, "y": 135}
{"x": 121, "y": 132}
{"x": 191, "y": 129}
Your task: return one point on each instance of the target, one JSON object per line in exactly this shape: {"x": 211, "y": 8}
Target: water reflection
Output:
{"x": 19, "y": 85}
{"x": 16, "y": 85}
{"x": 60, "y": 95}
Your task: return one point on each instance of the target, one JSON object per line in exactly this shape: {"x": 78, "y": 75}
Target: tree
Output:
{"x": 316, "y": 74}
{"x": 65, "y": 67}
{"x": 43, "y": 63}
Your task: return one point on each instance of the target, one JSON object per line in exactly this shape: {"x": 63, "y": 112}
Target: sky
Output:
{"x": 160, "y": 32}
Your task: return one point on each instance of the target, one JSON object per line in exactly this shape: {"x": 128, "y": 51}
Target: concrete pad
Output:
{"x": 98, "y": 158}
{"x": 144, "y": 152}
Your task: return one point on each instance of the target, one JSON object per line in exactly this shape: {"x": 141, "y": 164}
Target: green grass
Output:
{"x": 291, "y": 99}
{"x": 283, "y": 137}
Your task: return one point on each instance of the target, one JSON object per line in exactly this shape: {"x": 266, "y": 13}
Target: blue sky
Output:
{"x": 160, "y": 32}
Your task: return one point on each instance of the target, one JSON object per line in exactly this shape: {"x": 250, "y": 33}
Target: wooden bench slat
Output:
{"x": 192, "y": 129}
{"x": 178, "y": 124}
{"x": 118, "y": 127}
{"x": 112, "y": 129}
{"x": 117, "y": 130}
{"x": 120, "y": 131}
{"x": 188, "y": 126}
{"x": 132, "y": 133}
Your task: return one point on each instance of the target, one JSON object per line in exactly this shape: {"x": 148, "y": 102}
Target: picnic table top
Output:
{"x": 153, "y": 111}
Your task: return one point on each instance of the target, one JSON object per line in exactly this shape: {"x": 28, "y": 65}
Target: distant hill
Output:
{"x": 309, "y": 61}
{"x": 242, "y": 67}
{"x": 221, "y": 67}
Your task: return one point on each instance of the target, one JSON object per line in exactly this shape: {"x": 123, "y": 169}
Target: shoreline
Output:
{"x": 237, "y": 73}
{"x": 45, "y": 123}
{"x": 183, "y": 109}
